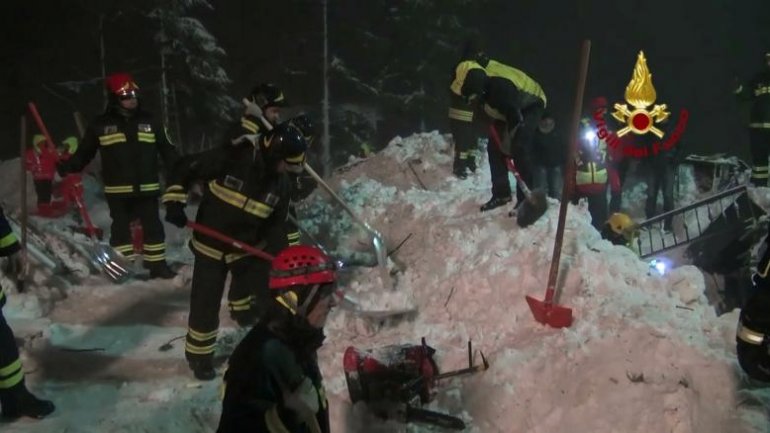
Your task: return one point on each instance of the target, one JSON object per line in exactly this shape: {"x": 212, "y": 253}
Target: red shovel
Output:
{"x": 547, "y": 311}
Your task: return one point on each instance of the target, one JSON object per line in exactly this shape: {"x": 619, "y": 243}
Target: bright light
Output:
{"x": 590, "y": 135}
{"x": 659, "y": 265}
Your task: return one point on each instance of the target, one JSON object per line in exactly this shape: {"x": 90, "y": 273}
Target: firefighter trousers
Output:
{"x": 521, "y": 154}
{"x": 11, "y": 373}
{"x": 43, "y": 190}
{"x": 123, "y": 210}
{"x": 247, "y": 298}
{"x": 759, "y": 139}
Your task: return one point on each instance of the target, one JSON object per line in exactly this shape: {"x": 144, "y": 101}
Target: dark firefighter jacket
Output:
{"x": 129, "y": 147}
{"x": 241, "y": 199}
{"x": 8, "y": 245}
{"x": 460, "y": 107}
{"x": 509, "y": 91}
{"x": 758, "y": 92}
{"x": 258, "y": 368}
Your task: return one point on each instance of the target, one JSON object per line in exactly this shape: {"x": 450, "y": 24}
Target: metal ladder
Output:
{"x": 689, "y": 222}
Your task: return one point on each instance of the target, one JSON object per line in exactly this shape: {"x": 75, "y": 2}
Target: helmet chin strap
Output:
{"x": 302, "y": 309}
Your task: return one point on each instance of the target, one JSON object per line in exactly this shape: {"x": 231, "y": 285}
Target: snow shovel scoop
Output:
{"x": 346, "y": 301}
{"x": 535, "y": 203}
{"x": 378, "y": 241}
{"x": 102, "y": 256}
{"x": 380, "y": 249}
{"x": 547, "y": 311}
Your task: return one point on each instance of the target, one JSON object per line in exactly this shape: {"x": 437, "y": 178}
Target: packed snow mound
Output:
{"x": 646, "y": 352}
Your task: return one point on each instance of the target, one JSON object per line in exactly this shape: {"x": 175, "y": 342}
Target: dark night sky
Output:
{"x": 694, "y": 51}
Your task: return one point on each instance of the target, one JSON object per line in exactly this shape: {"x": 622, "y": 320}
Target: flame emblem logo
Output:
{"x": 640, "y": 94}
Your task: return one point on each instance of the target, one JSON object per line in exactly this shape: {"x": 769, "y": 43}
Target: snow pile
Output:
{"x": 646, "y": 352}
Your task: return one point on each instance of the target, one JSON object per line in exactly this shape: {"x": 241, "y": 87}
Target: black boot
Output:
{"x": 203, "y": 368}
{"x": 495, "y": 202}
{"x": 160, "y": 270}
{"x": 459, "y": 168}
{"x": 471, "y": 163}
{"x": 20, "y": 402}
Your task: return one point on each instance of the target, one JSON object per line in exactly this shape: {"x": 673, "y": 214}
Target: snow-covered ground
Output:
{"x": 646, "y": 352}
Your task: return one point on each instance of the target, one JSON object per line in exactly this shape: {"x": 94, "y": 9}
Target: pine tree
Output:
{"x": 192, "y": 59}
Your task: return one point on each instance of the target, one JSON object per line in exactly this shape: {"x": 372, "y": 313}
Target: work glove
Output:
{"x": 302, "y": 186}
{"x": 252, "y": 108}
{"x": 175, "y": 214}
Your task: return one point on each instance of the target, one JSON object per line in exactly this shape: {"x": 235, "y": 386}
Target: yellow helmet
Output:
{"x": 621, "y": 224}
{"x": 37, "y": 139}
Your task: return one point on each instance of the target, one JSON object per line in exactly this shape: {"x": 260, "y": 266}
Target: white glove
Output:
{"x": 252, "y": 108}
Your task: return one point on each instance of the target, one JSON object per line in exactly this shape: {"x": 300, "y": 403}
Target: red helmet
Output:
{"x": 296, "y": 272}
{"x": 301, "y": 265}
{"x": 120, "y": 83}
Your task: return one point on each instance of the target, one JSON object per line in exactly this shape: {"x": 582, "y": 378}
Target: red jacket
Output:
{"x": 42, "y": 165}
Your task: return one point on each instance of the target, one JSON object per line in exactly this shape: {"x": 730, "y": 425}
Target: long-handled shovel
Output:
{"x": 346, "y": 301}
{"x": 380, "y": 249}
{"x": 547, "y": 311}
{"x": 535, "y": 203}
{"x": 101, "y": 256}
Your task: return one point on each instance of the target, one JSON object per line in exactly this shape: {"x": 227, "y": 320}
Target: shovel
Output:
{"x": 378, "y": 242}
{"x": 535, "y": 203}
{"x": 346, "y": 301}
{"x": 381, "y": 251}
{"x": 547, "y": 311}
{"x": 101, "y": 256}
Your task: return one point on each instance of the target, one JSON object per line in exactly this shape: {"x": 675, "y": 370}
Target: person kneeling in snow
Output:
{"x": 15, "y": 400}
{"x": 620, "y": 229}
{"x": 273, "y": 382}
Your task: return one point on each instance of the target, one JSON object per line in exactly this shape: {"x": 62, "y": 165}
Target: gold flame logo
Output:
{"x": 640, "y": 93}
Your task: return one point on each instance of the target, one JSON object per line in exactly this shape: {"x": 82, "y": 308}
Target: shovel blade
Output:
{"x": 110, "y": 262}
{"x": 552, "y": 315}
{"x": 532, "y": 209}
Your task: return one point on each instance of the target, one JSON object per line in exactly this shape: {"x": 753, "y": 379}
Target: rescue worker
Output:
{"x": 753, "y": 336}
{"x": 302, "y": 184}
{"x": 591, "y": 173}
{"x": 40, "y": 160}
{"x": 461, "y": 111}
{"x": 620, "y": 229}
{"x": 15, "y": 400}
{"x": 246, "y": 198}
{"x": 129, "y": 140}
{"x": 514, "y": 102}
{"x": 273, "y": 382}
{"x": 660, "y": 171}
{"x": 548, "y": 157}
{"x": 757, "y": 92}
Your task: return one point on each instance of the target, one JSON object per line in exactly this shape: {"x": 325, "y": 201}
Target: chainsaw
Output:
{"x": 394, "y": 381}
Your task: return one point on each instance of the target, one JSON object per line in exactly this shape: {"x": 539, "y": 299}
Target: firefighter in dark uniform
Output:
{"x": 15, "y": 400}
{"x": 302, "y": 184}
{"x": 246, "y": 198}
{"x": 273, "y": 382}
{"x": 129, "y": 140}
{"x": 753, "y": 331}
{"x": 515, "y": 103}
{"x": 461, "y": 111}
{"x": 757, "y": 91}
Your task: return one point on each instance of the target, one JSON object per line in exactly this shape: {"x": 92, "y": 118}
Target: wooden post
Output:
{"x": 22, "y": 278}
